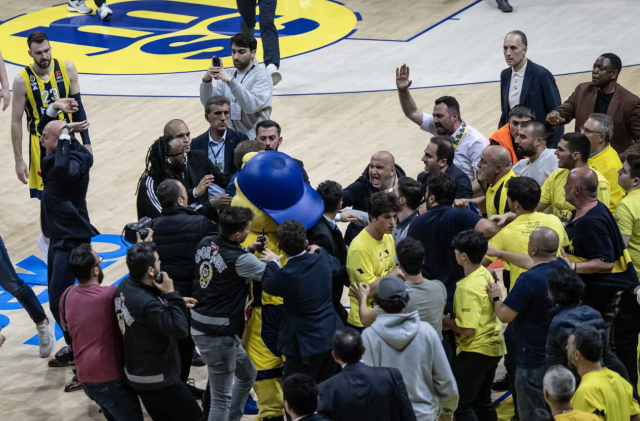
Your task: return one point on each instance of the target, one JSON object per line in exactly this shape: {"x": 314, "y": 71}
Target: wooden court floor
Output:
{"x": 334, "y": 135}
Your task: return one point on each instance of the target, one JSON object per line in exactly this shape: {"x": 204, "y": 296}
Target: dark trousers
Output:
{"x": 626, "y": 329}
{"x": 268, "y": 32}
{"x": 474, "y": 374}
{"x": 319, "y": 367}
{"x": 186, "y": 346}
{"x": 173, "y": 403}
{"x": 59, "y": 275}
{"x": 11, "y": 282}
{"x": 116, "y": 399}
{"x": 510, "y": 364}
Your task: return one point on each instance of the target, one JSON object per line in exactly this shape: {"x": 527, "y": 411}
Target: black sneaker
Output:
{"x": 501, "y": 384}
{"x": 195, "y": 392}
{"x": 197, "y": 360}
{"x": 504, "y": 6}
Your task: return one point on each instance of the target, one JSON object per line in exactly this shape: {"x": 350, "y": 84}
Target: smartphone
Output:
{"x": 159, "y": 278}
{"x": 215, "y": 62}
{"x": 262, "y": 239}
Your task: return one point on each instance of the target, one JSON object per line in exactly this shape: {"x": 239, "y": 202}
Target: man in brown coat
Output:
{"x": 603, "y": 95}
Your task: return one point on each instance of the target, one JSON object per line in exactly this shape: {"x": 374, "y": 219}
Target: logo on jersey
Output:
{"x": 168, "y": 36}
{"x": 122, "y": 313}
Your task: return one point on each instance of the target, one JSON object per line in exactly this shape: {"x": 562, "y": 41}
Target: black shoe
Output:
{"x": 62, "y": 358}
{"x": 197, "y": 360}
{"x": 501, "y": 384}
{"x": 195, "y": 392}
{"x": 504, "y": 6}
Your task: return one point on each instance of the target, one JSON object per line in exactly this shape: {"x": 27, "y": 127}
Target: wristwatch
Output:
{"x": 66, "y": 126}
{"x": 496, "y": 299}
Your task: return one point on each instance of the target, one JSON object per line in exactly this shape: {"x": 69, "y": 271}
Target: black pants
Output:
{"x": 59, "y": 275}
{"x": 474, "y": 374}
{"x": 510, "y": 364}
{"x": 319, "y": 367}
{"x": 173, "y": 403}
{"x": 626, "y": 329}
{"x": 268, "y": 31}
{"x": 186, "y": 346}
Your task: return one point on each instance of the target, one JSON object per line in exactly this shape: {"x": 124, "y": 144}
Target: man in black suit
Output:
{"x": 301, "y": 398}
{"x": 219, "y": 141}
{"x": 309, "y": 320}
{"x": 270, "y": 133}
{"x": 327, "y": 235}
{"x": 360, "y": 392}
{"x": 63, "y": 210}
{"x": 438, "y": 159}
{"x": 526, "y": 83}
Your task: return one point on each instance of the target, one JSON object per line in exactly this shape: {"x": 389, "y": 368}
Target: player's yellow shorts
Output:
{"x": 35, "y": 157}
{"x": 261, "y": 342}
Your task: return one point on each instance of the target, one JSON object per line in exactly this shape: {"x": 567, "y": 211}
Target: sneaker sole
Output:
{"x": 276, "y": 77}
{"x": 74, "y": 9}
{"x": 106, "y": 17}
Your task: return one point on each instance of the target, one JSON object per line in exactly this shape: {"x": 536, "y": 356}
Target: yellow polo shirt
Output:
{"x": 515, "y": 236}
{"x": 628, "y": 219}
{"x": 575, "y": 415}
{"x": 367, "y": 260}
{"x": 606, "y": 394}
{"x": 553, "y": 193}
{"x": 499, "y": 189}
{"x": 474, "y": 310}
{"x": 607, "y": 162}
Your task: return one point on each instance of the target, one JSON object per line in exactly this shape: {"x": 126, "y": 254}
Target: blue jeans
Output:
{"x": 528, "y": 385}
{"x": 10, "y": 282}
{"x": 226, "y": 358}
{"x": 116, "y": 399}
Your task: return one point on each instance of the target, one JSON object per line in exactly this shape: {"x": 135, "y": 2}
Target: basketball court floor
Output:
{"x": 337, "y": 105}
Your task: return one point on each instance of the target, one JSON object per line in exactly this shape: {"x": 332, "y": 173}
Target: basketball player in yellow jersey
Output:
{"x": 34, "y": 89}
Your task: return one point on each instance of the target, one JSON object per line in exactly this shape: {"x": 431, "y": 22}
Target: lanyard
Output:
{"x": 245, "y": 75}
{"x": 220, "y": 147}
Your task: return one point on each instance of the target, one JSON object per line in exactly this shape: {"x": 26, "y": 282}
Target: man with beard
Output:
{"x": 506, "y": 135}
{"x": 445, "y": 120}
{"x": 248, "y": 88}
{"x": 603, "y": 95}
{"x": 531, "y": 142}
{"x": 88, "y": 315}
{"x": 269, "y": 133}
{"x": 166, "y": 159}
{"x": 438, "y": 159}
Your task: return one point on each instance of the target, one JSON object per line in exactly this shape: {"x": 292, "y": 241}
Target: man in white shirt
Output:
{"x": 532, "y": 142}
{"x": 445, "y": 120}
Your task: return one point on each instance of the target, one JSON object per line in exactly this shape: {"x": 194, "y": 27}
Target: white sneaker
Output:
{"x": 276, "y": 77}
{"x": 47, "y": 337}
{"x": 44, "y": 248}
{"x": 104, "y": 12}
{"x": 78, "y": 6}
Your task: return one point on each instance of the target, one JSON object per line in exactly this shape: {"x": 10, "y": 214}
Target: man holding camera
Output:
{"x": 151, "y": 316}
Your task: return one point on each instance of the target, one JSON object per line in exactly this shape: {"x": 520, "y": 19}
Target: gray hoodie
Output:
{"x": 404, "y": 342}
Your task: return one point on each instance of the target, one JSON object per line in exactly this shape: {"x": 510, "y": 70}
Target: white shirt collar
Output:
{"x": 212, "y": 140}
{"x": 520, "y": 72}
{"x": 297, "y": 255}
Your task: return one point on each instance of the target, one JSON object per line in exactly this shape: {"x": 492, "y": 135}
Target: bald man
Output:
{"x": 64, "y": 215}
{"x": 381, "y": 175}
{"x": 494, "y": 170}
{"x": 527, "y": 309}
{"x": 597, "y": 252}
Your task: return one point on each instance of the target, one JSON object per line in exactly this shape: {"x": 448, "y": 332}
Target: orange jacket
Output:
{"x": 503, "y": 137}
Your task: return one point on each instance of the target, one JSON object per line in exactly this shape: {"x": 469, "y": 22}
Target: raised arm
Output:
{"x": 407, "y": 103}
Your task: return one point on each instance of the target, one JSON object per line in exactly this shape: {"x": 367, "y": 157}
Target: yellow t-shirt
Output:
{"x": 575, "y": 415}
{"x": 515, "y": 236}
{"x": 628, "y": 219}
{"x": 606, "y": 394}
{"x": 367, "y": 260}
{"x": 499, "y": 188}
{"x": 474, "y": 310}
{"x": 607, "y": 162}
{"x": 553, "y": 193}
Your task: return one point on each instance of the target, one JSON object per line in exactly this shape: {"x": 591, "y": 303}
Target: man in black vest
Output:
{"x": 217, "y": 320}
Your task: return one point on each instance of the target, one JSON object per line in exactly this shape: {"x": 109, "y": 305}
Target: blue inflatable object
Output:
{"x": 272, "y": 181}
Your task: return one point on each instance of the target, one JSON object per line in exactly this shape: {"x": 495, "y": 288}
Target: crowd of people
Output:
{"x": 423, "y": 335}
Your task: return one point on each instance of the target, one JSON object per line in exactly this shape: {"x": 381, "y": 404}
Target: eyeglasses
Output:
{"x": 98, "y": 262}
{"x": 589, "y": 131}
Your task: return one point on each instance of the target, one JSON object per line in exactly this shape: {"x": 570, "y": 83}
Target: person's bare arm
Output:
{"x": 518, "y": 259}
{"x": 487, "y": 227}
{"x": 626, "y": 239}
{"x": 74, "y": 88}
{"x": 409, "y": 107}
{"x": 17, "y": 111}
{"x": 448, "y": 323}
{"x": 542, "y": 207}
{"x": 361, "y": 292}
{"x": 504, "y": 313}
{"x": 592, "y": 266}
{"x": 5, "y": 93}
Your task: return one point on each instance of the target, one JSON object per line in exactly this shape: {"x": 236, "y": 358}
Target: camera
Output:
{"x": 262, "y": 239}
{"x": 141, "y": 227}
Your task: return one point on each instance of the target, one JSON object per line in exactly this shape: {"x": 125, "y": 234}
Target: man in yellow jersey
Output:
{"x": 603, "y": 158}
{"x": 34, "y": 89}
{"x": 372, "y": 253}
{"x": 628, "y": 211}
{"x": 559, "y": 385}
{"x": 573, "y": 152}
{"x": 480, "y": 340}
{"x": 601, "y": 392}
{"x": 494, "y": 169}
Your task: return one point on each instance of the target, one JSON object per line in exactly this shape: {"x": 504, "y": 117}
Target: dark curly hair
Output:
{"x": 565, "y": 286}
{"x": 292, "y": 237}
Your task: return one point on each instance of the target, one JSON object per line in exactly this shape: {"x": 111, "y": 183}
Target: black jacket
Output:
{"x": 231, "y": 139}
{"x": 65, "y": 175}
{"x": 177, "y": 234}
{"x": 331, "y": 240}
{"x": 150, "y": 323}
{"x": 463, "y": 189}
{"x": 360, "y": 392}
{"x": 357, "y": 196}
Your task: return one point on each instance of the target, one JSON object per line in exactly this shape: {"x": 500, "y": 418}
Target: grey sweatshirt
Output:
{"x": 404, "y": 342}
{"x": 252, "y": 91}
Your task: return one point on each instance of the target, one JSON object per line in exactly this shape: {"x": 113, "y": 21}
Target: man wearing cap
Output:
{"x": 271, "y": 185}
{"x": 400, "y": 340}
